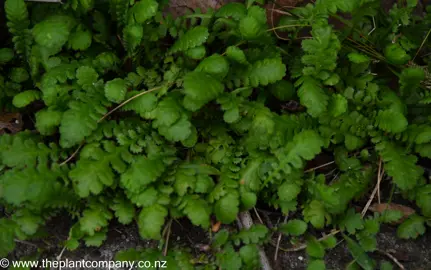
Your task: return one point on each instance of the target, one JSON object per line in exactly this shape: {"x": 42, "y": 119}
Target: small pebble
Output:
{"x": 300, "y": 258}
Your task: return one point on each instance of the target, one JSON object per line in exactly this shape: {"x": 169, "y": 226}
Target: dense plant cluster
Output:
{"x": 142, "y": 117}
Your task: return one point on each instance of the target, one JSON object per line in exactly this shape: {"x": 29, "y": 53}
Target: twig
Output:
{"x": 277, "y": 248}
{"x": 272, "y": 22}
{"x": 286, "y": 26}
{"x": 168, "y": 233}
{"x": 291, "y": 7}
{"x": 379, "y": 179}
{"x": 245, "y": 221}
{"x": 374, "y": 28}
{"x": 268, "y": 221}
{"x": 121, "y": 41}
{"x": 257, "y": 214}
{"x": 423, "y": 43}
{"x": 127, "y": 101}
{"x": 25, "y": 243}
{"x": 61, "y": 253}
{"x": 390, "y": 256}
{"x": 109, "y": 113}
{"x": 281, "y": 12}
{"x": 304, "y": 246}
{"x": 73, "y": 155}
{"x": 320, "y": 166}
{"x": 373, "y": 194}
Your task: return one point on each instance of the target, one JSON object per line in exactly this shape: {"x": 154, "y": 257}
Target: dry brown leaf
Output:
{"x": 381, "y": 207}
{"x": 216, "y": 226}
{"x": 10, "y": 123}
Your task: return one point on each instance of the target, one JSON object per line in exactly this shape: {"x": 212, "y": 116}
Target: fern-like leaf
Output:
{"x": 25, "y": 98}
{"x": 191, "y": 39}
{"x": 391, "y": 121}
{"x": 321, "y": 51}
{"x": 267, "y": 71}
{"x": 47, "y": 121}
{"x": 215, "y": 65}
{"x": 142, "y": 173}
{"x": 236, "y": 54}
{"x": 79, "y": 121}
{"x": 399, "y": 165}
{"x": 115, "y": 90}
{"x": 144, "y": 10}
{"x": 312, "y": 95}
{"x": 235, "y": 10}
{"x": 200, "y": 88}
{"x": 151, "y": 220}
{"x": 53, "y": 32}
{"x": 34, "y": 187}
{"x": 18, "y": 24}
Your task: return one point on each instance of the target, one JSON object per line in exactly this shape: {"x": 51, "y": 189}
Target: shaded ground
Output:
{"x": 412, "y": 254}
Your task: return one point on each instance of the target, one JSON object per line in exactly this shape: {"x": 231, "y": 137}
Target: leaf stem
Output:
{"x": 304, "y": 246}
{"x": 286, "y": 26}
{"x": 206, "y": 16}
{"x": 423, "y": 43}
{"x": 127, "y": 101}
{"x": 73, "y": 155}
{"x": 238, "y": 90}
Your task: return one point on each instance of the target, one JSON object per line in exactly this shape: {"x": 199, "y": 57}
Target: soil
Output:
{"x": 414, "y": 255}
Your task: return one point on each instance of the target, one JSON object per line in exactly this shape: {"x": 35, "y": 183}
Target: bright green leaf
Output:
{"x": 115, "y": 90}
{"x": 226, "y": 209}
{"x": 151, "y": 220}
{"x": 294, "y": 227}
{"x": 411, "y": 228}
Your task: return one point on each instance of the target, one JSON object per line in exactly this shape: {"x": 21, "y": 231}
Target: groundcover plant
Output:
{"x": 129, "y": 114}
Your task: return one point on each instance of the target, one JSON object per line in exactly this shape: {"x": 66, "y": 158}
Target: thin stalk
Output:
{"x": 203, "y": 16}
{"x": 238, "y": 90}
{"x": 370, "y": 50}
{"x": 423, "y": 43}
{"x": 286, "y": 26}
{"x": 127, "y": 101}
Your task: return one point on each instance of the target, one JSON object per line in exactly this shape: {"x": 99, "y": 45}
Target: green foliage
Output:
{"x": 255, "y": 235}
{"x": 412, "y": 227}
{"x": 151, "y": 220}
{"x": 18, "y": 24}
{"x": 6, "y": 55}
{"x": 194, "y": 85}
{"x": 359, "y": 254}
{"x": 7, "y": 236}
{"x": 134, "y": 114}
{"x": 315, "y": 249}
{"x": 25, "y": 98}
{"x": 312, "y": 96}
{"x": 124, "y": 210}
{"x": 352, "y": 222}
{"x": 115, "y": 90}
{"x": 53, "y": 32}
{"x": 227, "y": 208}
{"x": 294, "y": 227}
{"x": 399, "y": 165}
{"x": 191, "y": 39}
{"x": 396, "y": 54}
{"x": 315, "y": 214}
